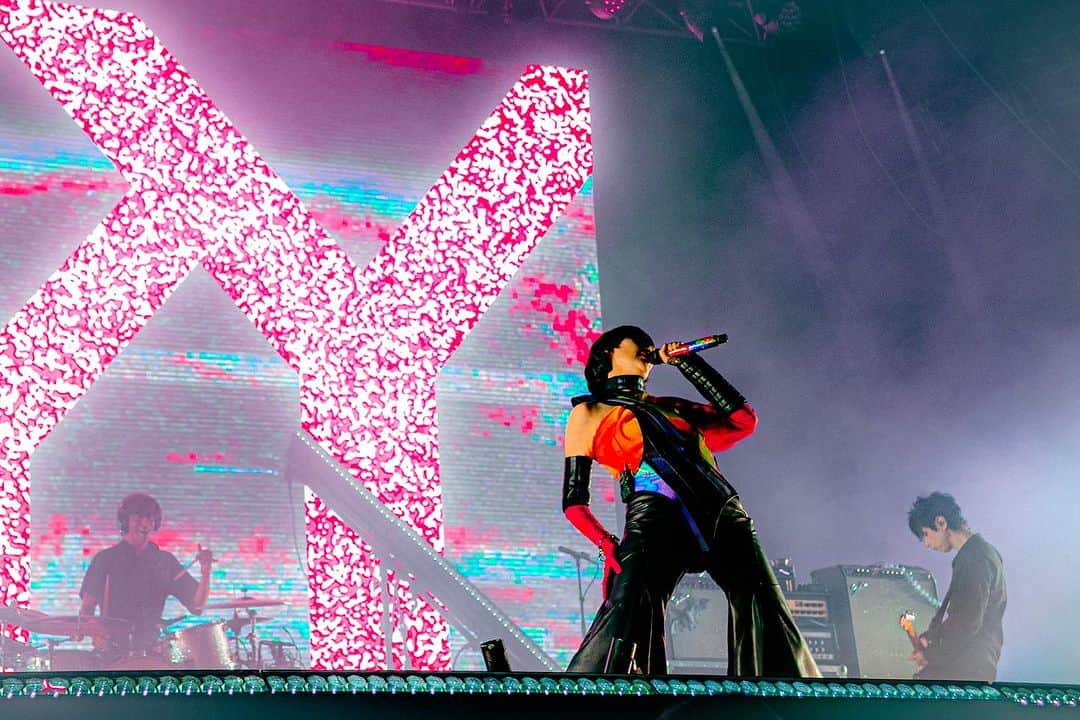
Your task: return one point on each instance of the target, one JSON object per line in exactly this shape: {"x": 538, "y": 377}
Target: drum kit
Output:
{"x": 210, "y": 645}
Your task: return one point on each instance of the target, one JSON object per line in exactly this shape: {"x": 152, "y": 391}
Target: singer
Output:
{"x": 681, "y": 513}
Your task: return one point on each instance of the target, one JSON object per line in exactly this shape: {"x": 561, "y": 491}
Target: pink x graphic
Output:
{"x": 367, "y": 343}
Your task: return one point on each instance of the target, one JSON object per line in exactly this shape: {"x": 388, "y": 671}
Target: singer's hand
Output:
{"x": 668, "y": 351}
{"x": 656, "y": 356}
{"x": 665, "y": 351}
{"x": 611, "y": 563}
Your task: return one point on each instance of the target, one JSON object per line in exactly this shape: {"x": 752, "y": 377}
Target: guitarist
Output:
{"x": 964, "y": 639}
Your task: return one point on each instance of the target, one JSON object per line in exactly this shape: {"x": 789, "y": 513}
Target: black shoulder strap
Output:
{"x": 676, "y": 457}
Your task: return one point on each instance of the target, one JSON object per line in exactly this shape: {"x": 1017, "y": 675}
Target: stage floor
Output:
{"x": 268, "y": 695}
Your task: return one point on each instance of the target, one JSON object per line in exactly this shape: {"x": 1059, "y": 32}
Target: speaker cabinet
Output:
{"x": 697, "y": 627}
{"x": 866, "y": 602}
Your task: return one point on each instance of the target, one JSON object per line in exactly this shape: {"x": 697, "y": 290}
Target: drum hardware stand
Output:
{"x": 236, "y": 635}
{"x": 249, "y": 657}
{"x": 278, "y": 654}
{"x": 245, "y": 647}
{"x": 51, "y": 644}
{"x": 253, "y": 639}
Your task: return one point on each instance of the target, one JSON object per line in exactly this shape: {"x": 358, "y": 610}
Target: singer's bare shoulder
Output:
{"x": 577, "y": 440}
{"x": 581, "y": 427}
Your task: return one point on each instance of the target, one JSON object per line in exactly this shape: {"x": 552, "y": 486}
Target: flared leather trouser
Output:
{"x": 657, "y": 548}
{"x": 763, "y": 640}
{"x": 651, "y": 553}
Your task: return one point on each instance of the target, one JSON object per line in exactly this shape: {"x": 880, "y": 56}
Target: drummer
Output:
{"x": 132, "y": 579}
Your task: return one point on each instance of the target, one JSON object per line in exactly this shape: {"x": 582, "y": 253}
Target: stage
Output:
{"x": 496, "y": 695}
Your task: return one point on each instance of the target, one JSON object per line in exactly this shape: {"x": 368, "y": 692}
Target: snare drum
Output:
{"x": 201, "y": 647}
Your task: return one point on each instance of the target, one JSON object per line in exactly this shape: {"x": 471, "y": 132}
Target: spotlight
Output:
{"x": 760, "y": 21}
{"x": 605, "y": 9}
{"x": 790, "y": 16}
{"x": 776, "y": 19}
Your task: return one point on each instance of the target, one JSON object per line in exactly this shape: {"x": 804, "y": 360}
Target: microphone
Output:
{"x": 685, "y": 348}
{"x": 577, "y": 555}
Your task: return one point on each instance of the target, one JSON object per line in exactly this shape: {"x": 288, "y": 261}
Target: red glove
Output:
{"x": 582, "y": 518}
{"x": 611, "y": 563}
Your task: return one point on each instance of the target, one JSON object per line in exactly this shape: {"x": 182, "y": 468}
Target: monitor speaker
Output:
{"x": 697, "y": 627}
{"x": 866, "y": 602}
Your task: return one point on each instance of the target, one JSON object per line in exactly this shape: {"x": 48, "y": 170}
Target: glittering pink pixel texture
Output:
{"x": 366, "y": 342}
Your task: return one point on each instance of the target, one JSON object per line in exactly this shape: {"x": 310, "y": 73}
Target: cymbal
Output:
{"x": 242, "y": 603}
{"x": 73, "y": 625}
{"x": 11, "y": 615}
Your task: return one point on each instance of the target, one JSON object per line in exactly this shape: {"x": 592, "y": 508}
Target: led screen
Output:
{"x": 182, "y": 300}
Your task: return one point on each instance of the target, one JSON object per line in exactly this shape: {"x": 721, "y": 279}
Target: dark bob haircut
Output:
{"x": 598, "y": 365}
{"x": 926, "y": 509}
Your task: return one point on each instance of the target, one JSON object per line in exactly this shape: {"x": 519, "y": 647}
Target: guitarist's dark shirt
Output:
{"x": 965, "y": 636}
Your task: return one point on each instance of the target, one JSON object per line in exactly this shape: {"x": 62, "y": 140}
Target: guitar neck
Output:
{"x": 907, "y": 624}
{"x": 913, "y": 638}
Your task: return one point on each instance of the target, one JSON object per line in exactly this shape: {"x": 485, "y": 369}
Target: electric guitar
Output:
{"x": 907, "y": 624}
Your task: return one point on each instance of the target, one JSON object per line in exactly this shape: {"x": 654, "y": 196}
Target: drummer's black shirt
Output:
{"x": 134, "y": 587}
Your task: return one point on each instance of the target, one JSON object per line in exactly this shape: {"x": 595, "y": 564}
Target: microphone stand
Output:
{"x": 580, "y": 595}
{"x": 579, "y": 557}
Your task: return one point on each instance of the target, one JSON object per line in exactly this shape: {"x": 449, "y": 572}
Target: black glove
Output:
{"x": 576, "y": 473}
{"x": 711, "y": 384}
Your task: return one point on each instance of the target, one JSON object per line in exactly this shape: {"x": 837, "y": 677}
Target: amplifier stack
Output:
{"x": 810, "y": 607}
{"x": 867, "y": 601}
{"x": 849, "y": 616}
{"x": 697, "y": 628}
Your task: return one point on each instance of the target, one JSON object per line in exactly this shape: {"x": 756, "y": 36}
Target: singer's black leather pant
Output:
{"x": 763, "y": 640}
{"x": 654, "y": 540}
{"x": 656, "y": 549}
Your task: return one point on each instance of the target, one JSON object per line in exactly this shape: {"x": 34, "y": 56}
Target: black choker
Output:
{"x": 624, "y": 385}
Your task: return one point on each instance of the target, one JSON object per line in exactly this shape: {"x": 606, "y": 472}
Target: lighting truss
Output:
{"x": 652, "y": 17}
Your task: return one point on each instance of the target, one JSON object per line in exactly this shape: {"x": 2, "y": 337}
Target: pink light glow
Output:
{"x": 366, "y": 343}
{"x": 469, "y": 539}
{"x": 194, "y": 458}
{"x": 523, "y": 419}
{"x": 51, "y": 182}
{"x": 428, "y": 61}
{"x": 571, "y": 334}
